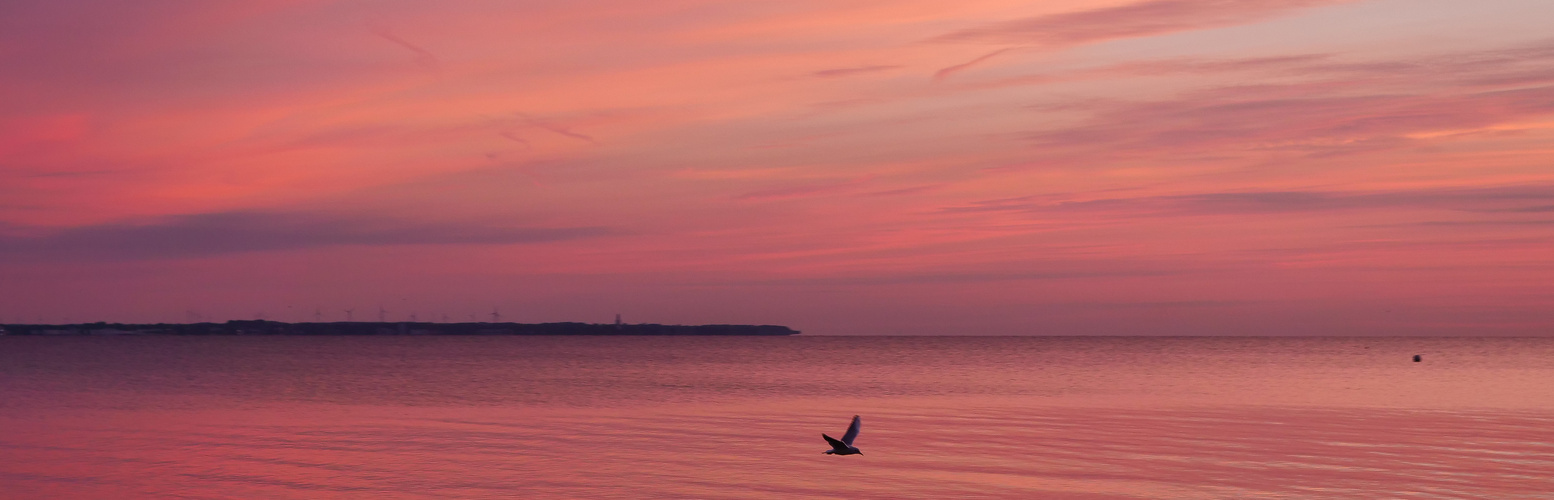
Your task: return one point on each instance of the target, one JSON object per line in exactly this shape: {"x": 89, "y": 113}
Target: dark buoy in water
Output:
{"x": 1417, "y": 358}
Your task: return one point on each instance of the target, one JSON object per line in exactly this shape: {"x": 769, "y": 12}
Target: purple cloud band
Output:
{"x": 223, "y": 233}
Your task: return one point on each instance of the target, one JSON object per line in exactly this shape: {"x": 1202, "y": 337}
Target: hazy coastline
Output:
{"x": 262, "y": 327}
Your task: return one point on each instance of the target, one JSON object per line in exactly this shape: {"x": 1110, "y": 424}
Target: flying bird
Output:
{"x": 844, "y": 446}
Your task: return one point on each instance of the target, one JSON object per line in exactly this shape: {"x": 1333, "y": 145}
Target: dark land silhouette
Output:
{"x": 261, "y": 327}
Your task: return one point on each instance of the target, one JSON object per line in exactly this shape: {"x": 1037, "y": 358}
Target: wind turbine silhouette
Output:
{"x": 496, "y": 317}
{"x": 382, "y": 314}
{"x": 349, "y": 316}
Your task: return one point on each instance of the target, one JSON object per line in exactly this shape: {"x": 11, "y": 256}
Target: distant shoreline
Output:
{"x": 359, "y": 328}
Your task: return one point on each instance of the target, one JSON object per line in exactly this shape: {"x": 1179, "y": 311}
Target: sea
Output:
{"x": 741, "y": 417}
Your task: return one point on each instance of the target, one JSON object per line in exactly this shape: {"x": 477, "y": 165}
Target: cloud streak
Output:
{"x": 1135, "y": 20}
{"x": 556, "y": 129}
{"x": 1506, "y": 199}
{"x": 423, "y": 57}
{"x": 950, "y": 70}
{"x": 855, "y": 70}
{"x": 1143, "y": 19}
{"x": 1339, "y": 108}
{"x": 942, "y": 278}
{"x": 213, "y": 234}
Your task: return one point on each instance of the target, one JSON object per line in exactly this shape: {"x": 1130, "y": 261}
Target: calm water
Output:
{"x": 590, "y": 417}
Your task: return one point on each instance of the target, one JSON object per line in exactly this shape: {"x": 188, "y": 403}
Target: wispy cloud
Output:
{"x": 950, "y": 70}
{"x": 1475, "y": 223}
{"x": 239, "y": 232}
{"x": 513, "y": 136}
{"x": 1301, "y": 64}
{"x": 939, "y": 278}
{"x": 555, "y": 128}
{"x": 423, "y": 57}
{"x": 805, "y": 190}
{"x": 1521, "y": 210}
{"x": 1530, "y": 199}
{"x": 1336, "y": 116}
{"x": 1129, "y": 21}
{"x": 1314, "y": 106}
{"x": 1136, "y": 20}
{"x": 855, "y": 70}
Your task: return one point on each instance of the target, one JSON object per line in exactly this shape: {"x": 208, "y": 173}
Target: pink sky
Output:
{"x": 842, "y": 167}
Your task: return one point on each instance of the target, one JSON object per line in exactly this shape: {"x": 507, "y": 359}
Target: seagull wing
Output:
{"x": 852, "y": 431}
{"x": 836, "y": 444}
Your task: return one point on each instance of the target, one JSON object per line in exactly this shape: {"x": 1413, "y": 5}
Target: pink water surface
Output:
{"x": 951, "y": 417}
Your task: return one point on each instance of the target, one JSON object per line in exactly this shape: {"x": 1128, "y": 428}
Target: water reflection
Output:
{"x": 740, "y": 418}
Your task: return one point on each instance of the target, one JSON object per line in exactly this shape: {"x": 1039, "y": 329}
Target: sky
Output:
{"x": 1073, "y": 167}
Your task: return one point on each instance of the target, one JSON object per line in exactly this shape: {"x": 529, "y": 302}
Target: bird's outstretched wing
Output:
{"x": 836, "y": 444}
{"x": 852, "y": 431}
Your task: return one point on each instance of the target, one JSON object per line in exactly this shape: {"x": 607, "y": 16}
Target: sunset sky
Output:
{"x": 1174, "y": 167}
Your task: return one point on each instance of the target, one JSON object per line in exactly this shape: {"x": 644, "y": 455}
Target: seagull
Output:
{"x": 844, "y": 446}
